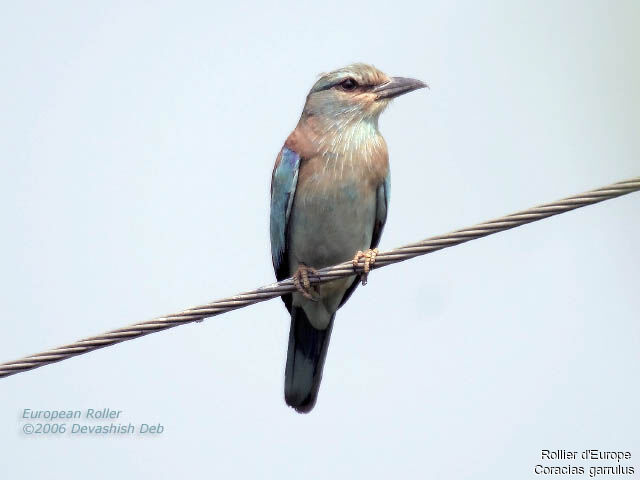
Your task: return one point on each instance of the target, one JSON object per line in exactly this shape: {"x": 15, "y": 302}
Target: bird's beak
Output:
{"x": 398, "y": 86}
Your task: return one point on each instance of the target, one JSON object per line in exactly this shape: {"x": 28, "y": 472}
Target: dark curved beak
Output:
{"x": 398, "y": 86}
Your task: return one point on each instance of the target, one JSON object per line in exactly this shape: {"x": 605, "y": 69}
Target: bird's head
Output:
{"x": 356, "y": 92}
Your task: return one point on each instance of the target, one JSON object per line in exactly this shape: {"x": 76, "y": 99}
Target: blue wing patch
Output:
{"x": 283, "y": 189}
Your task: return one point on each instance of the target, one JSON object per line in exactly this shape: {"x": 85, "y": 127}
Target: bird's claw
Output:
{"x": 302, "y": 283}
{"x": 369, "y": 259}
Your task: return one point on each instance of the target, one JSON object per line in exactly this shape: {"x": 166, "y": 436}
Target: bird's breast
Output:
{"x": 334, "y": 208}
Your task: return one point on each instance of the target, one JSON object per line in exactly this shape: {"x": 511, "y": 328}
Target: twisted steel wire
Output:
{"x": 323, "y": 275}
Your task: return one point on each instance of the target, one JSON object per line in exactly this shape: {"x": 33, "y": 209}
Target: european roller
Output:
{"x": 329, "y": 198}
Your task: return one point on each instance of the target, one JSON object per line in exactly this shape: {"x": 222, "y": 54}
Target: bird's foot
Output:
{"x": 302, "y": 283}
{"x": 369, "y": 259}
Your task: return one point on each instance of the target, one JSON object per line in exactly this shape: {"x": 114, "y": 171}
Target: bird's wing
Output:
{"x": 283, "y": 189}
{"x": 382, "y": 204}
{"x": 383, "y": 193}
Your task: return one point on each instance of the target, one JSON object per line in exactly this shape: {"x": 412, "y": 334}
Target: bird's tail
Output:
{"x": 305, "y": 361}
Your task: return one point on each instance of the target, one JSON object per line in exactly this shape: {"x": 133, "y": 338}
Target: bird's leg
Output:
{"x": 369, "y": 259}
{"x": 302, "y": 283}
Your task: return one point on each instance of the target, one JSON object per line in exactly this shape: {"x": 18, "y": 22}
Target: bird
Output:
{"x": 330, "y": 190}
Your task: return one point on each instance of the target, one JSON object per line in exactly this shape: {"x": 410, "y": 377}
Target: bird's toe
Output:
{"x": 369, "y": 257}
{"x": 303, "y": 284}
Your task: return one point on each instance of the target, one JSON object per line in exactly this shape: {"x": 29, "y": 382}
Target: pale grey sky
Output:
{"x": 137, "y": 145}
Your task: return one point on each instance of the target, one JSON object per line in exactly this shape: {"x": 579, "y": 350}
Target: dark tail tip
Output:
{"x": 302, "y": 406}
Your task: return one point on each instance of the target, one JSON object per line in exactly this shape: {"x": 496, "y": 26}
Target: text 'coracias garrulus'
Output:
{"x": 329, "y": 197}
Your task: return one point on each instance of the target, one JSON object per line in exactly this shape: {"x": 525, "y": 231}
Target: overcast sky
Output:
{"x": 137, "y": 146}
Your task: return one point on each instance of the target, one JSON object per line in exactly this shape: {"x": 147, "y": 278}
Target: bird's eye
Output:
{"x": 349, "y": 84}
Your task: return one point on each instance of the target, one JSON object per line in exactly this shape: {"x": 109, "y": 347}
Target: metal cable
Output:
{"x": 330, "y": 273}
